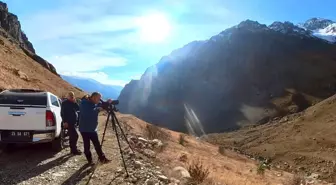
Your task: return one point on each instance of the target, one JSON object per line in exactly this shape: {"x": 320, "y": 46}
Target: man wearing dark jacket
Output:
{"x": 69, "y": 116}
{"x": 88, "y": 122}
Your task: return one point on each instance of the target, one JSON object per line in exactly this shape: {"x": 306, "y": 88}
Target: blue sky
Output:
{"x": 115, "y": 41}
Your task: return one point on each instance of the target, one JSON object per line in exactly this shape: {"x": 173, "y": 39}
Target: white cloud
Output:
{"x": 81, "y": 62}
{"x": 98, "y": 76}
{"x": 78, "y": 36}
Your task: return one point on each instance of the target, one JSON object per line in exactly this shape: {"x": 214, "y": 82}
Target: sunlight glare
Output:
{"x": 154, "y": 27}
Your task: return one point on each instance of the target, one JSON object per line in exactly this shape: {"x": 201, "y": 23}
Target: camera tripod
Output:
{"x": 115, "y": 123}
{"x": 111, "y": 109}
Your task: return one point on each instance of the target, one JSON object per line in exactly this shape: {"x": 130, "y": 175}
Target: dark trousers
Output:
{"x": 73, "y": 137}
{"x": 92, "y": 136}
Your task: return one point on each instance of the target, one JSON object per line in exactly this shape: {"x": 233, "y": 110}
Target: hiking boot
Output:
{"x": 104, "y": 160}
{"x": 77, "y": 152}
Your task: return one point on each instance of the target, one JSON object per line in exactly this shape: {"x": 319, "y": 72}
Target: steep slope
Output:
{"x": 304, "y": 142}
{"x": 89, "y": 85}
{"x": 10, "y": 28}
{"x": 17, "y": 70}
{"x": 20, "y": 67}
{"x": 247, "y": 74}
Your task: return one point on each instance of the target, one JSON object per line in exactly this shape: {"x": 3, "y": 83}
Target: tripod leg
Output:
{"x": 121, "y": 152}
{"x": 115, "y": 119}
{"x": 107, "y": 120}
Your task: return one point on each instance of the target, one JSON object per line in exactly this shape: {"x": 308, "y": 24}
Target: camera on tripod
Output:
{"x": 110, "y": 106}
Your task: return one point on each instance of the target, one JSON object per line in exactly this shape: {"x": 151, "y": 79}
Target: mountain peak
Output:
{"x": 317, "y": 23}
{"x": 3, "y": 6}
{"x": 251, "y": 25}
{"x": 289, "y": 28}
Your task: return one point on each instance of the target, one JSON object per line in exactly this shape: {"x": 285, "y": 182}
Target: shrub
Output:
{"x": 198, "y": 172}
{"x": 182, "y": 140}
{"x": 221, "y": 150}
{"x": 262, "y": 167}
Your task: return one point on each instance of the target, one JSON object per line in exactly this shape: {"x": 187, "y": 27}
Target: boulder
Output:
{"x": 180, "y": 172}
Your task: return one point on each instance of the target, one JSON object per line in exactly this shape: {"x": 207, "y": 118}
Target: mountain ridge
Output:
{"x": 189, "y": 77}
{"x": 91, "y": 85}
{"x": 10, "y": 28}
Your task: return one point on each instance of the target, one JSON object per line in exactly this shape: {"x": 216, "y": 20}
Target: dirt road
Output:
{"x": 36, "y": 164}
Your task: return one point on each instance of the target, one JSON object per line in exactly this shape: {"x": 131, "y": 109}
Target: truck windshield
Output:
{"x": 23, "y": 99}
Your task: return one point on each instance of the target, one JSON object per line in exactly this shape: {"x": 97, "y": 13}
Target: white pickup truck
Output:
{"x": 30, "y": 116}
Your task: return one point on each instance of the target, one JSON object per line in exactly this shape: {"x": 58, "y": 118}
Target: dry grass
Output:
{"x": 155, "y": 132}
{"x": 231, "y": 168}
{"x": 198, "y": 172}
{"x": 297, "y": 180}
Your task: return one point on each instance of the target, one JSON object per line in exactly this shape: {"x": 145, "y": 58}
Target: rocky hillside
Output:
{"x": 249, "y": 73}
{"x": 10, "y": 28}
{"x": 20, "y": 67}
{"x": 304, "y": 142}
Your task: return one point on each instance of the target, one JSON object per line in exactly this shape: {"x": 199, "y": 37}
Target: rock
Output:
{"x": 59, "y": 174}
{"x": 150, "y": 182}
{"x": 140, "y": 145}
{"x": 314, "y": 176}
{"x": 138, "y": 164}
{"x": 180, "y": 172}
{"x": 163, "y": 178}
{"x": 157, "y": 143}
{"x": 143, "y": 140}
{"x": 21, "y": 74}
{"x": 120, "y": 170}
{"x": 149, "y": 153}
{"x": 175, "y": 181}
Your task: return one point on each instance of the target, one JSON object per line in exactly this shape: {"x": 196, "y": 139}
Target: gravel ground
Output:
{"x": 36, "y": 164}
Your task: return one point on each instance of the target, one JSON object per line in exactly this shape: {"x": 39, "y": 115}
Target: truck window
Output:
{"x": 23, "y": 99}
{"x": 54, "y": 101}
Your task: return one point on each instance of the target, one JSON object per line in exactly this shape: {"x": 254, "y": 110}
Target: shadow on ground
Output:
{"x": 78, "y": 175}
{"x": 26, "y": 161}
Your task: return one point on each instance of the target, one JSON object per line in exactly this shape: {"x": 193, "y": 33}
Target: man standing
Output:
{"x": 69, "y": 116}
{"x": 88, "y": 122}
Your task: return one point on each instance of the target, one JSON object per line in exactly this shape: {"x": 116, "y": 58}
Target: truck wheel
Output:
{"x": 56, "y": 145}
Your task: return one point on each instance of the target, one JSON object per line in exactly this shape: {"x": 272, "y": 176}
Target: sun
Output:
{"x": 154, "y": 27}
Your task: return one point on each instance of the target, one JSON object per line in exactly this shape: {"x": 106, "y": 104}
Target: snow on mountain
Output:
{"x": 321, "y": 28}
{"x": 317, "y": 23}
{"x": 315, "y": 27}
{"x": 328, "y": 33}
{"x": 250, "y": 25}
{"x": 289, "y": 28}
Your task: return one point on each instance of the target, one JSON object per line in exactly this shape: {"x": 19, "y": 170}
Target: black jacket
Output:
{"x": 69, "y": 112}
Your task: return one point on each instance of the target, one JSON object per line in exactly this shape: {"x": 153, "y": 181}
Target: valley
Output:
{"x": 249, "y": 73}
{"x": 251, "y": 105}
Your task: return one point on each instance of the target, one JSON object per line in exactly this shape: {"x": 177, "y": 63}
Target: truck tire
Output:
{"x": 56, "y": 145}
